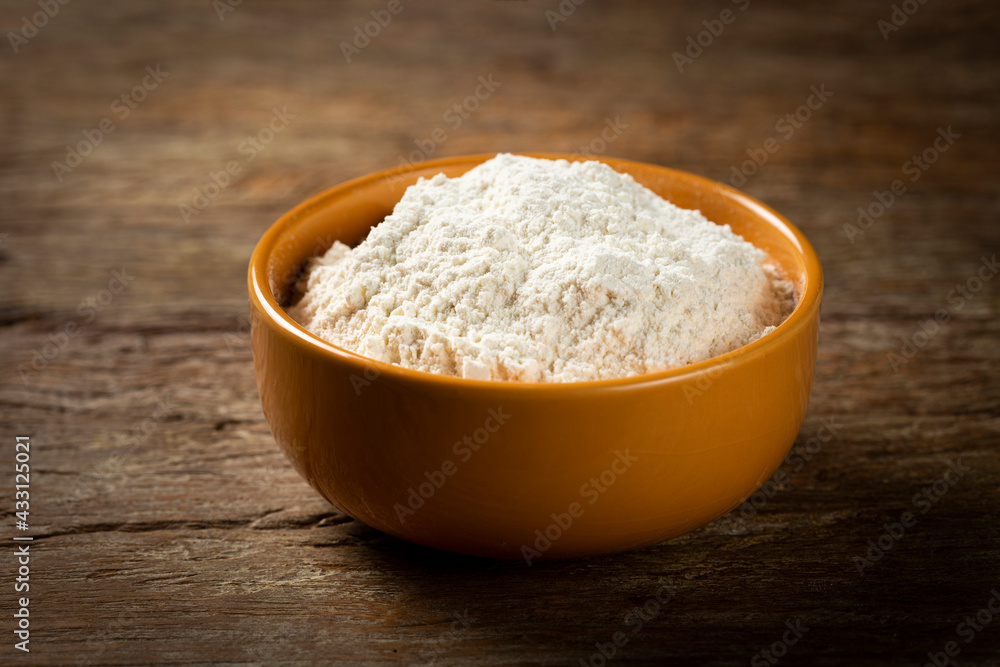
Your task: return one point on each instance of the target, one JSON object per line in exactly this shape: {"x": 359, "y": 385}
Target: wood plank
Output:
{"x": 169, "y": 529}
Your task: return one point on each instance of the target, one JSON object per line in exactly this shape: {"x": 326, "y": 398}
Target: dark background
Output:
{"x": 168, "y": 527}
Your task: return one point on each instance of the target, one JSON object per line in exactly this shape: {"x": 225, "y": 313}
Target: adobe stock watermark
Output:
{"x": 464, "y": 449}
{"x": 591, "y": 491}
{"x": 929, "y": 328}
{"x": 442, "y": 642}
{"x": 223, "y": 7}
{"x": 102, "y": 473}
{"x": 898, "y": 17}
{"x": 87, "y": 310}
{"x": 121, "y": 108}
{"x": 453, "y": 118}
{"x": 635, "y": 619}
{"x": 702, "y": 383}
{"x": 31, "y": 25}
{"x": 566, "y": 9}
{"x": 364, "y": 379}
{"x": 105, "y": 634}
{"x": 250, "y": 147}
{"x": 779, "y": 649}
{"x": 968, "y": 629}
{"x": 611, "y": 131}
{"x": 915, "y": 167}
{"x": 140, "y": 430}
{"x": 796, "y": 459}
{"x": 237, "y": 339}
{"x": 363, "y": 35}
{"x": 922, "y": 501}
{"x": 696, "y": 44}
{"x": 786, "y": 127}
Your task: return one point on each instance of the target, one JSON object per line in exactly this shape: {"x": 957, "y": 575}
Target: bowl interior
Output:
{"x": 347, "y": 212}
{"x": 311, "y": 228}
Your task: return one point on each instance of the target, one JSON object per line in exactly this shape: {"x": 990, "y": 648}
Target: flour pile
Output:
{"x": 542, "y": 271}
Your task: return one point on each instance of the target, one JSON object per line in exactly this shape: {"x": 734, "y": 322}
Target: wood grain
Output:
{"x": 168, "y": 527}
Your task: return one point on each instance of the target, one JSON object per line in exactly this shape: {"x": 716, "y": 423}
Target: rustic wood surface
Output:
{"x": 169, "y": 529}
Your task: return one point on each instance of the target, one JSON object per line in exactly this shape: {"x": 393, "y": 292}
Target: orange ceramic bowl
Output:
{"x": 526, "y": 470}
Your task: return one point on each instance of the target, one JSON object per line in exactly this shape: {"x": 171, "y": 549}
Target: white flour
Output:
{"x": 542, "y": 271}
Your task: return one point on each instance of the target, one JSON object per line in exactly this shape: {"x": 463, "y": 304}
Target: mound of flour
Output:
{"x": 541, "y": 271}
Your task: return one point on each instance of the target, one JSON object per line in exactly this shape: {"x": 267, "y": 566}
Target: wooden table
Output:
{"x": 168, "y": 528}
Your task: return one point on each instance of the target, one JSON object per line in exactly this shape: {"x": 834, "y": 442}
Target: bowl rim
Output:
{"x": 263, "y": 301}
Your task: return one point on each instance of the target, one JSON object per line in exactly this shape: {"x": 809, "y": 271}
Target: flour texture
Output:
{"x": 542, "y": 271}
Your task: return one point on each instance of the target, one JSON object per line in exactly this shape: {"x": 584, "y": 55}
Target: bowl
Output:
{"x": 529, "y": 470}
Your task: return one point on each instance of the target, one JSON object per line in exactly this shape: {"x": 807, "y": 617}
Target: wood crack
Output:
{"x": 269, "y": 520}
